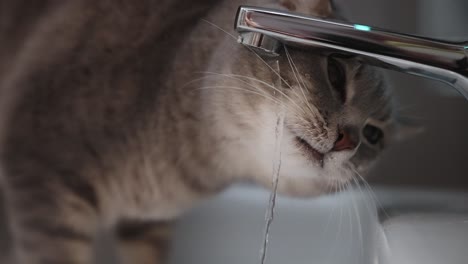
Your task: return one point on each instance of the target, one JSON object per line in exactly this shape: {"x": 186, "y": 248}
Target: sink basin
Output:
{"x": 404, "y": 226}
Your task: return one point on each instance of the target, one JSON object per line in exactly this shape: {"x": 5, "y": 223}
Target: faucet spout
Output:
{"x": 267, "y": 29}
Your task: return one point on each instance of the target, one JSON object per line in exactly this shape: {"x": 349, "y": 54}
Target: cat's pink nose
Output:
{"x": 344, "y": 141}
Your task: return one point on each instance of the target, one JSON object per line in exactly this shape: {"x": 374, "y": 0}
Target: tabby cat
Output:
{"x": 122, "y": 114}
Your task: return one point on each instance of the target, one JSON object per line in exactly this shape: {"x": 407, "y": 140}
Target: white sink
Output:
{"x": 418, "y": 227}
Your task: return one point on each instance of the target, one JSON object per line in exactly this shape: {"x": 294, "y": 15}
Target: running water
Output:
{"x": 275, "y": 177}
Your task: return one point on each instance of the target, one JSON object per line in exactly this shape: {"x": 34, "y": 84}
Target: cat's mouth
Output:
{"x": 310, "y": 151}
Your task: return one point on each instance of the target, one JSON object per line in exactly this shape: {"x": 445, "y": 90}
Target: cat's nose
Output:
{"x": 345, "y": 141}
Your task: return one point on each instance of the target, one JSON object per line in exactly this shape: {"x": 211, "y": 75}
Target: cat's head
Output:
{"x": 338, "y": 113}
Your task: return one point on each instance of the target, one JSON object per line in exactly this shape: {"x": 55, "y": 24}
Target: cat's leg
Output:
{"x": 144, "y": 242}
{"x": 51, "y": 227}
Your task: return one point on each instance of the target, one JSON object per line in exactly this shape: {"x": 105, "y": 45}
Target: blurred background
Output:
{"x": 437, "y": 157}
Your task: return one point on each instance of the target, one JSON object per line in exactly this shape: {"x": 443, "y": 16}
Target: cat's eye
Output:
{"x": 372, "y": 134}
{"x": 337, "y": 77}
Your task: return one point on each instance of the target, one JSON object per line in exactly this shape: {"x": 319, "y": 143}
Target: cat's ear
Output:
{"x": 320, "y": 8}
{"x": 407, "y": 128}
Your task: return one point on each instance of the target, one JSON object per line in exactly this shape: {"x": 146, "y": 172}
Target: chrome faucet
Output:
{"x": 266, "y": 30}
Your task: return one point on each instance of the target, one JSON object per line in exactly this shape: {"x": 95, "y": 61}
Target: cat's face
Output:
{"x": 338, "y": 113}
{"x": 338, "y": 117}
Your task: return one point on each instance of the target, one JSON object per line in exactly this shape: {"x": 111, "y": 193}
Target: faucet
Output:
{"x": 267, "y": 30}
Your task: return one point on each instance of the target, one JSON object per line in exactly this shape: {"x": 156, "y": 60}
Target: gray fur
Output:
{"x": 117, "y": 111}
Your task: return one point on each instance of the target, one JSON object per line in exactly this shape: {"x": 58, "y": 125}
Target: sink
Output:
{"x": 390, "y": 226}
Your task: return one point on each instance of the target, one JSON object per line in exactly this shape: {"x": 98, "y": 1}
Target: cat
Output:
{"x": 124, "y": 114}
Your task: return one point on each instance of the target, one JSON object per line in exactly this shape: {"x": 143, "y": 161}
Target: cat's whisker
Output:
{"x": 340, "y": 191}
{"x": 338, "y": 186}
{"x": 271, "y": 68}
{"x": 240, "y": 77}
{"x": 343, "y": 206}
{"x": 363, "y": 193}
{"x": 232, "y": 76}
{"x": 331, "y": 185}
{"x": 272, "y": 87}
{"x": 293, "y": 69}
{"x": 303, "y": 131}
{"x": 235, "y": 77}
{"x": 297, "y": 76}
{"x": 349, "y": 212}
{"x": 253, "y": 51}
{"x": 358, "y": 218}
{"x": 371, "y": 191}
{"x": 220, "y": 28}
{"x": 200, "y": 79}
{"x": 306, "y": 123}
{"x": 239, "y": 89}
{"x": 297, "y": 70}
{"x": 309, "y": 136}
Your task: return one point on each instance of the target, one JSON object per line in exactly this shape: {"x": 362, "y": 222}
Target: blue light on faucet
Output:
{"x": 362, "y": 27}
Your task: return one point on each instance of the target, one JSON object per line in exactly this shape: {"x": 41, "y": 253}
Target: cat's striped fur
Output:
{"x": 107, "y": 123}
